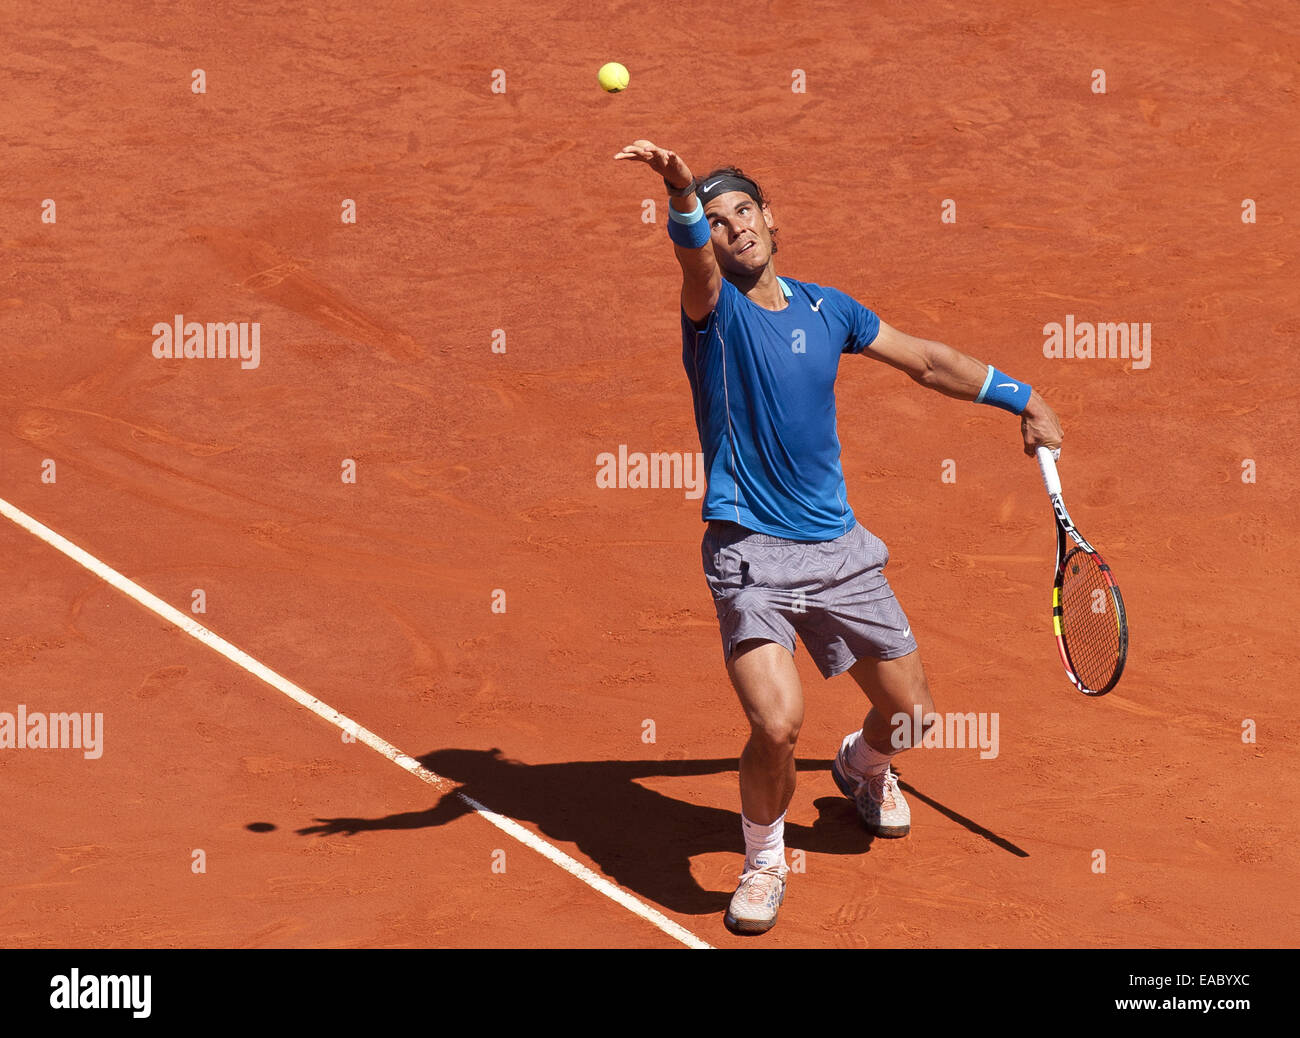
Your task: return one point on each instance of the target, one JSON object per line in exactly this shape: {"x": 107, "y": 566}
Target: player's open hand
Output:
{"x": 668, "y": 164}
{"x": 1039, "y": 425}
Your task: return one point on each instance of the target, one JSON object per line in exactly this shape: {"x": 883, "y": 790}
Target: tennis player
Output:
{"x": 783, "y": 553}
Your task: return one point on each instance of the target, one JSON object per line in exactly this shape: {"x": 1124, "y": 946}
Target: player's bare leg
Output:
{"x": 862, "y": 767}
{"x": 893, "y": 687}
{"x": 765, "y": 679}
{"x": 771, "y": 694}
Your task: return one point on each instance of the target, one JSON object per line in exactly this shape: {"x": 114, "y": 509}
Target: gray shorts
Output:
{"x": 833, "y": 593}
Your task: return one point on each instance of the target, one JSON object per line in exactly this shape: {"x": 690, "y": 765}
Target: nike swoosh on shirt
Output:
{"x": 907, "y": 631}
{"x": 819, "y": 303}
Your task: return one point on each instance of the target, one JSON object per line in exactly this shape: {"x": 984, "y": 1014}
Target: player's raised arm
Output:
{"x": 688, "y": 228}
{"x": 956, "y": 374}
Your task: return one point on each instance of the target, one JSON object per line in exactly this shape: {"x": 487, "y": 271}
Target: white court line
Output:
{"x": 240, "y": 658}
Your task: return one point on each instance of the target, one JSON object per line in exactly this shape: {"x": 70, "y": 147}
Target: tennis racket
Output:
{"x": 1087, "y": 610}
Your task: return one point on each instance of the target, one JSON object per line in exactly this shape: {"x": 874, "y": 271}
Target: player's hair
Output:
{"x": 736, "y": 171}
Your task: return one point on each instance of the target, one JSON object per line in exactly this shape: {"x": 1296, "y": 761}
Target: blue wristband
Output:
{"x": 689, "y": 230}
{"x": 1001, "y": 390}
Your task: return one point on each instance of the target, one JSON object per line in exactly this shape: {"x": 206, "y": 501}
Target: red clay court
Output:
{"x": 482, "y": 212}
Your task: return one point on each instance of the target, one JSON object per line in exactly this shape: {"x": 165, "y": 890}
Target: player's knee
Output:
{"x": 775, "y": 736}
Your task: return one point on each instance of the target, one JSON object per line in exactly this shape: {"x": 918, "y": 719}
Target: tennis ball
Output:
{"x": 612, "y": 77}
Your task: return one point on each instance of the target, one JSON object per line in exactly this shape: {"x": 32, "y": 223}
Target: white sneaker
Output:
{"x": 880, "y": 803}
{"x": 754, "y": 904}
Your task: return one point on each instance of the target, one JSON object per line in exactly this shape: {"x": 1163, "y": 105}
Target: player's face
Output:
{"x": 742, "y": 232}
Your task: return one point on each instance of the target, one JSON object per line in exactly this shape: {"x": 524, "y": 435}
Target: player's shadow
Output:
{"x": 642, "y": 839}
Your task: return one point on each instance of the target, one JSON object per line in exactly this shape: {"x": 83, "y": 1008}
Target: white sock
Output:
{"x": 764, "y": 844}
{"x": 865, "y": 760}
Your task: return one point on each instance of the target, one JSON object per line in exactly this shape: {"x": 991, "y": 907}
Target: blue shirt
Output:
{"x": 763, "y": 385}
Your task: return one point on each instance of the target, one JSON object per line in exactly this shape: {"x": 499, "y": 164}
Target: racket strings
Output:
{"x": 1090, "y": 620}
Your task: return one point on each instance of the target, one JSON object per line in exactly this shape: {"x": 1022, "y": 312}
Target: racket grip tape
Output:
{"x": 1047, "y": 466}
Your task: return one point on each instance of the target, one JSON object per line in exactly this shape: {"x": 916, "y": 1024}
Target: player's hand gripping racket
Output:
{"x": 1087, "y": 611}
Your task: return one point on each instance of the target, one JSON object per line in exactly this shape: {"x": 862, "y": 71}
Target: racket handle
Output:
{"x": 1047, "y": 466}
